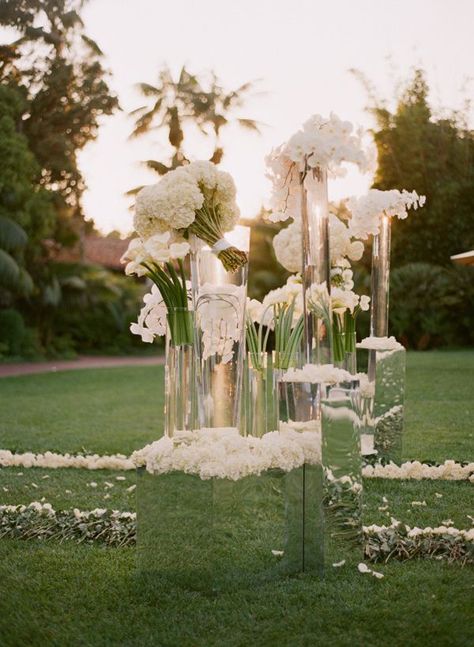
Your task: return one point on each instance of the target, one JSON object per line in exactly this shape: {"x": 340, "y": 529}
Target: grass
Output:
{"x": 53, "y": 594}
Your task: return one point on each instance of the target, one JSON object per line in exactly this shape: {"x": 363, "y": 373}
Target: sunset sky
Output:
{"x": 301, "y": 50}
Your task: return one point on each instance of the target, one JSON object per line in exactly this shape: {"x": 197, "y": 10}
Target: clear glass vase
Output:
{"x": 256, "y": 395}
{"x": 219, "y": 299}
{"x": 380, "y": 280}
{"x": 180, "y": 375}
{"x": 316, "y": 266}
{"x": 350, "y": 352}
{"x": 339, "y": 347}
{"x": 281, "y": 362}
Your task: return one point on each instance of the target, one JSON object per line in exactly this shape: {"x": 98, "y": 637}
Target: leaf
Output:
{"x": 148, "y": 90}
{"x": 9, "y": 270}
{"x": 249, "y": 124}
{"x": 72, "y": 18}
{"x": 25, "y": 283}
{"x": 12, "y": 236}
{"x": 92, "y": 45}
{"x": 134, "y": 191}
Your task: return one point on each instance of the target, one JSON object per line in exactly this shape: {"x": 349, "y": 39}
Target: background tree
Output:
{"x": 434, "y": 156}
{"x": 54, "y": 93}
{"x": 26, "y": 212}
{"x": 188, "y": 101}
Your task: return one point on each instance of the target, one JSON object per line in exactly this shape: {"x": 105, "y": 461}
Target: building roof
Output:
{"x": 96, "y": 250}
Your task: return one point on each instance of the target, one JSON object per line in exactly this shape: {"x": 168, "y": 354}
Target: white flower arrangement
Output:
{"x": 152, "y": 317}
{"x": 159, "y": 248}
{"x": 367, "y": 210}
{"x": 322, "y": 143}
{"x": 194, "y": 199}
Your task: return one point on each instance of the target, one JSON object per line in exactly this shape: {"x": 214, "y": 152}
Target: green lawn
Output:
{"x": 53, "y": 594}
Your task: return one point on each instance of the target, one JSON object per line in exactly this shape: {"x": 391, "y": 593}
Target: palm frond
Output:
{"x": 160, "y": 168}
{"x": 92, "y": 45}
{"x": 9, "y": 271}
{"x": 148, "y": 90}
{"x": 249, "y": 124}
{"x": 12, "y": 236}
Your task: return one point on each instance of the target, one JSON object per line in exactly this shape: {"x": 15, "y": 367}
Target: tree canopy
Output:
{"x": 434, "y": 156}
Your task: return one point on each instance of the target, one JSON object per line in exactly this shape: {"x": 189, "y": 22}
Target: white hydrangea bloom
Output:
{"x": 171, "y": 203}
{"x": 288, "y": 245}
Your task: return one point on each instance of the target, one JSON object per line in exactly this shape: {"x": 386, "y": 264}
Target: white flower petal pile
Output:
{"x": 224, "y": 453}
{"x": 380, "y": 343}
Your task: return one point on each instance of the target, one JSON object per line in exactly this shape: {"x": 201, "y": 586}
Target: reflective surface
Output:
{"x": 342, "y": 472}
{"x": 382, "y": 409}
{"x": 210, "y": 535}
{"x": 304, "y": 547}
{"x": 316, "y": 267}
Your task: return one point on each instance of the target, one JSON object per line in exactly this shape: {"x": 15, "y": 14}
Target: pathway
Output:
{"x": 28, "y": 368}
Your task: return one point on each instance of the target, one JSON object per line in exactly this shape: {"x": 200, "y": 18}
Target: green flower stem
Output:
{"x": 172, "y": 287}
{"x": 350, "y": 330}
{"x": 338, "y": 339}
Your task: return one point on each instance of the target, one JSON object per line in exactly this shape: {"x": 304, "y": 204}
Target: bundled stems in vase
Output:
{"x": 207, "y": 226}
{"x": 172, "y": 286}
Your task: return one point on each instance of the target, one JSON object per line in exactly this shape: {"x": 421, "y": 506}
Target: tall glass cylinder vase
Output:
{"x": 380, "y": 280}
{"x": 180, "y": 378}
{"x": 256, "y": 395}
{"x": 350, "y": 344}
{"x": 219, "y": 299}
{"x": 281, "y": 362}
{"x": 316, "y": 266}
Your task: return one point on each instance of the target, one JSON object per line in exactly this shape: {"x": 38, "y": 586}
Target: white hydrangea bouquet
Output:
{"x": 196, "y": 199}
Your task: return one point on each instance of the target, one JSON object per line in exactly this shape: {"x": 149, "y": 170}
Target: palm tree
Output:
{"x": 174, "y": 104}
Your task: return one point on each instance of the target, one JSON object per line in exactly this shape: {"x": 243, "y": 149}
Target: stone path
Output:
{"x": 28, "y": 368}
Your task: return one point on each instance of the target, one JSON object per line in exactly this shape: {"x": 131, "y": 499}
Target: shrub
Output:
{"x": 432, "y": 305}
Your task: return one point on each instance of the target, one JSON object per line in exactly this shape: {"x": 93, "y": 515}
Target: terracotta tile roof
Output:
{"x": 99, "y": 251}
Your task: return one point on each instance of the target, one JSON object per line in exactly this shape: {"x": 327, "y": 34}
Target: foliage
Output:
{"x": 190, "y": 100}
{"x": 434, "y": 156}
{"x": 432, "y": 305}
{"x": 84, "y": 307}
{"x": 54, "y": 93}
{"x": 25, "y": 209}
{"x": 265, "y": 273}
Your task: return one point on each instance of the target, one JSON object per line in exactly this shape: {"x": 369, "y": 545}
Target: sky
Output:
{"x": 302, "y": 52}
